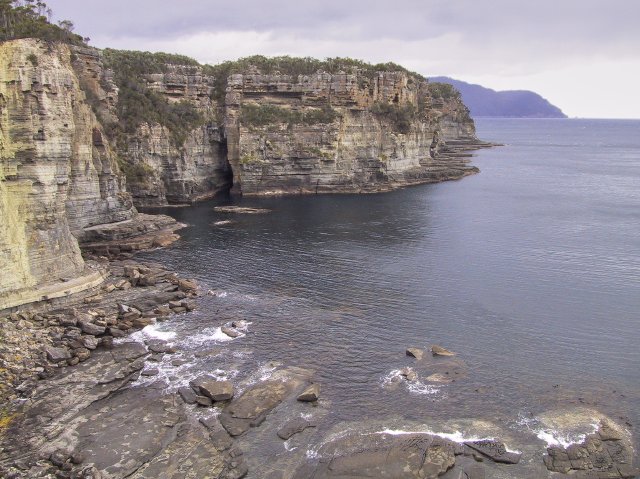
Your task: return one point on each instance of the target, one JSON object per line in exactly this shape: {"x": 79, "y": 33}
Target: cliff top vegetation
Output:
{"x": 32, "y": 19}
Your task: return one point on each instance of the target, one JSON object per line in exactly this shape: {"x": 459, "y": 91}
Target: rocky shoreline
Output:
{"x": 75, "y": 407}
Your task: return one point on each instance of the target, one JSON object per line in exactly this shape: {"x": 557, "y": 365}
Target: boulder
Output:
{"x": 440, "y": 351}
{"x": 57, "y": 355}
{"x": 93, "y": 329}
{"x": 415, "y": 352}
{"x": 82, "y": 354}
{"x": 409, "y": 374}
{"x": 89, "y": 342}
{"x": 216, "y": 390}
{"x": 310, "y": 394}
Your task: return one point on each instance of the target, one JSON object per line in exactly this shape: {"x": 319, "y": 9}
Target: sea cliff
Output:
{"x": 59, "y": 179}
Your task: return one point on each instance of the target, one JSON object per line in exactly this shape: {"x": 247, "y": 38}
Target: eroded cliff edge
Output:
{"x": 343, "y": 132}
{"x": 185, "y": 131}
{"x": 59, "y": 182}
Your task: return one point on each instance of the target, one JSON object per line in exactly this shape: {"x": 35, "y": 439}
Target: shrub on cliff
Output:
{"x": 138, "y": 104}
{"x": 443, "y": 90}
{"x": 400, "y": 117}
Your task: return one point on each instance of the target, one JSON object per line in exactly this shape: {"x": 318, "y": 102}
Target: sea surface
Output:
{"x": 529, "y": 271}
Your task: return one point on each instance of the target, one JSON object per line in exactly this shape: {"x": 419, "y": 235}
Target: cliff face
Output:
{"x": 162, "y": 167}
{"x": 55, "y": 179}
{"x": 60, "y": 183}
{"x": 340, "y": 133}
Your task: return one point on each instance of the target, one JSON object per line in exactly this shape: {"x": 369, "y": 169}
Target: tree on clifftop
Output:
{"x": 32, "y": 19}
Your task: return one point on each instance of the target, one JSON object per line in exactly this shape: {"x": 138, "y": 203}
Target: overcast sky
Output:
{"x": 582, "y": 55}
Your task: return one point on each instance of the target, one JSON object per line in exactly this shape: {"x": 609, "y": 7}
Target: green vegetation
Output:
{"x": 31, "y": 19}
{"x": 143, "y": 63}
{"x": 399, "y": 117}
{"x": 135, "y": 172}
{"x": 443, "y": 90}
{"x": 33, "y": 59}
{"x": 138, "y": 104}
{"x": 262, "y": 115}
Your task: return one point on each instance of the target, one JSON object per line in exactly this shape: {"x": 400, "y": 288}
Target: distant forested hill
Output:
{"x": 514, "y": 103}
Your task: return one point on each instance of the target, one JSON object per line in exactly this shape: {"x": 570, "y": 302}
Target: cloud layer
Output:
{"x": 562, "y": 49}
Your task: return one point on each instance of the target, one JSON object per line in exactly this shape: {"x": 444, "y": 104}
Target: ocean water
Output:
{"x": 529, "y": 271}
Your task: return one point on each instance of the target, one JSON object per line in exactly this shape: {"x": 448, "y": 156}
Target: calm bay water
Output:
{"x": 530, "y": 271}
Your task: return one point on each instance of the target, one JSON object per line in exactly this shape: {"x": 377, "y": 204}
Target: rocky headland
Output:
{"x": 79, "y": 393}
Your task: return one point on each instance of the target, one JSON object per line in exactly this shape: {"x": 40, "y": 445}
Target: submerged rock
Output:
{"x": 241, "y": 210}
{"x": 292, "y": 427}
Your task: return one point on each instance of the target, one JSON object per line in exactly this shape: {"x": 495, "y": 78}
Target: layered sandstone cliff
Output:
{"x": 59, "y": 181}
{"x": 361, "y": 131}
{"x": 342, "y": 132}
{"x": 162, "y": 167}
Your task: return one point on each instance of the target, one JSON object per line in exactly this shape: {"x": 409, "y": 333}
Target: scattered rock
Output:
{"x": 292, "y": 427}
{"x": 57, "y": 354}
{"x": 150, "y": 372}
{"x": 310, "y": 394}
{"x": 415, "y": 352}
{"x": 409, "y": 374}
{"x": 440, "y": 351}
{"x": 93, "y": 329}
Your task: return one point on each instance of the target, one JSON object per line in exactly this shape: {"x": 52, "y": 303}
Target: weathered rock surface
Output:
{"x": 607, "y": 453}
{"x": 253, "y": 406}
{"x": 495, "y": 451}
{"x": 410, "y": 456}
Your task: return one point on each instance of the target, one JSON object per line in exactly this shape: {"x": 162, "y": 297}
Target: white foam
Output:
{"x": 288, "y": 446}
{"x": 555, "y": 437}
{"x": 217, "y": 294}
{"x": 456, "y": 436}
{"x": 416, "y": 386}
{"x": 152, "y": 331}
